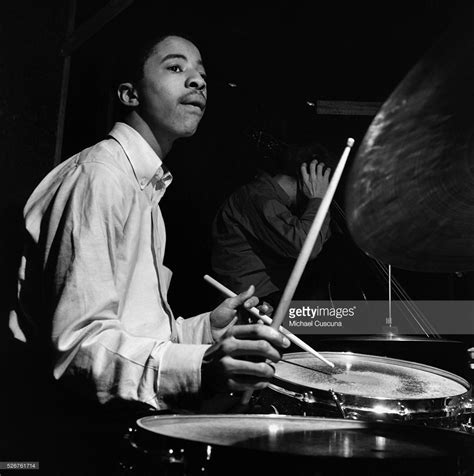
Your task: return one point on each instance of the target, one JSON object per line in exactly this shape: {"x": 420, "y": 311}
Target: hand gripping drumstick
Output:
{"x": 305, "y": 252}
{"x": 267, "y": 320}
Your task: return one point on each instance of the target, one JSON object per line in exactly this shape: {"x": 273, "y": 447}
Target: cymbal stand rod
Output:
{"x": 339, "y": 405}
{"x": 389, "y": 328}
{"x": 390, "y": 295}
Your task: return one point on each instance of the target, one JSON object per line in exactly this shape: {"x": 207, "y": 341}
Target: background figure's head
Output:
{"x": 276, "y": 156}
{"x": 289, "y": 172}
{"x": 161, "y": 87}
{"x": 298, "y": 154}
{"x": 283, "y": 161}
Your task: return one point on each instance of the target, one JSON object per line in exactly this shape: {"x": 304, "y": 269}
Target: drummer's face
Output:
{"x": 173, "y": 91}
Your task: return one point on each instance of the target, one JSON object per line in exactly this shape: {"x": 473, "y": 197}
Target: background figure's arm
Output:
{"x": 285, "y": 233}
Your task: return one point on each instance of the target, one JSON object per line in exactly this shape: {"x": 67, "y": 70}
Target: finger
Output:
{"x": 264, "y": 308}
{"x": 250, "y": 348}
{"x": 312, "y": 168}
{"x": 255, "y": 332}
{"x": 236, "y": 301}
{"x": 252, "y": 302}
{"x": 262, "y": 370}
{"x": 320, "y": 169}
{"x": 327, "y": 173}
{"x": 304, "y": 172}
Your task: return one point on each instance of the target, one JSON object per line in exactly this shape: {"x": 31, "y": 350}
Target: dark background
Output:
{"x": 278, "y": 57}
{"x": 267, "y": 63}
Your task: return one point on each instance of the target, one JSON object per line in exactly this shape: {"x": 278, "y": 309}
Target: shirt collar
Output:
{"x": 146, "y": 164}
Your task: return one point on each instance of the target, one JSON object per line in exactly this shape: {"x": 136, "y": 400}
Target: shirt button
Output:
{"x": 143, "y": 182}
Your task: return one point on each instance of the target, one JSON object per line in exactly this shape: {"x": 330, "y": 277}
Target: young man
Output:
{"x": 92, "y": 281}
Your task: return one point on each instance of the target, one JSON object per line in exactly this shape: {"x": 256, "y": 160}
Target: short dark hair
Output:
{"x": 130, "y": 65}
{"x": 277, "y": 157}
{"x": 299, "y": 153}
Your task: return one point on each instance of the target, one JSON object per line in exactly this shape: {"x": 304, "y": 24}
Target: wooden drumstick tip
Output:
{"x": 350, "y": 142}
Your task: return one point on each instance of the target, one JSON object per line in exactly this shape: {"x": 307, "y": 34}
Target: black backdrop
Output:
{"x": 280, "y": 56}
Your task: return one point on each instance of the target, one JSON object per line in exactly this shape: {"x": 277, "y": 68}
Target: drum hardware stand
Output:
{"x": 403, "y": 412}
{"x": 389, "y": 329}
{"x": 339, "y": 404}
{"x": 468, "y": 426}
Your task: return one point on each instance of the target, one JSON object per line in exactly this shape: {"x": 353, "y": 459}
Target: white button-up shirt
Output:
{"x": 92, "y": 276}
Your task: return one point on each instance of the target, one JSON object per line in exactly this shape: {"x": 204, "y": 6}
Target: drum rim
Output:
{"x": 391, "y": 360}
{"x": 344, "y": 422}
{"x": 249, "y": 416}
{"x": 464, "y": 442}
{"x": 380, "y": 407}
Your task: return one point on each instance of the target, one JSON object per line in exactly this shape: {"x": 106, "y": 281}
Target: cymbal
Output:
{"x": 409, "y": 194}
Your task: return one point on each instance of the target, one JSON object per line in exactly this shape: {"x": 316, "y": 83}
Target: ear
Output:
{"x": 127, "y": 94}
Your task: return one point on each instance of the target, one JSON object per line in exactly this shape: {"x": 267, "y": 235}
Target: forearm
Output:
{"x": 286, "y": 232}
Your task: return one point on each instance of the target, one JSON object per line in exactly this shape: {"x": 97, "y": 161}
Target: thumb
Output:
{"x": 238, "y": 300}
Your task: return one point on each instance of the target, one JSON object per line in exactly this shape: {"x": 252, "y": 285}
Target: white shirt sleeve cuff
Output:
{"x": 195, "y": 330}
{"x": 180, "y": 371}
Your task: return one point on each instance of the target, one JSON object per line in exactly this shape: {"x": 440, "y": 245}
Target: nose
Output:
{"x": 196, "y": 81}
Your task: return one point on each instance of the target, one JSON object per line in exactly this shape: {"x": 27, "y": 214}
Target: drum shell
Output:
{"x": 285, "y": 397}
{"x": 150, "y": 453}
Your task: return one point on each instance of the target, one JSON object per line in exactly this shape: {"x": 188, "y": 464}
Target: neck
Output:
{"x": 288, "y": 184}
{"x": 161, "y": 147}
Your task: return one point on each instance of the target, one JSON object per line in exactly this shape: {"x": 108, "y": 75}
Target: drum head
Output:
{"x": 370, "y": 376}
{"x": 249, "y": 444}
{"x": 304, "y": 436}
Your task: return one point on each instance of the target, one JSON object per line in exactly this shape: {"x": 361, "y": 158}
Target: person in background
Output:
{"x": 259, "y": 230}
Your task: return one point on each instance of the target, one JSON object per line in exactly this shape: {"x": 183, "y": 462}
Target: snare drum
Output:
{"x": 367, "y": 387}
{"x": 218, "y": 445}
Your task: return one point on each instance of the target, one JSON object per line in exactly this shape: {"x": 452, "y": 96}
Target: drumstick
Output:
{"x": 310, "y": 240}
{"x": 267, "y": 320}
{"x": 308, "y": 245}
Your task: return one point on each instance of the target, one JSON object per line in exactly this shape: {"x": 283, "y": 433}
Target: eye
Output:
{"x": 176, "y": 68}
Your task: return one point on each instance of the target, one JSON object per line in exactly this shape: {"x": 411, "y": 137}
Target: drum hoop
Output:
{"x": 238, "y": 416}
{"x": 466, "y": 441}
{"x": 449, "y": 405}
{"x": 159, "y": 452}
{"x": 391, "y": 360}
{"x": 380, "y": 408}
